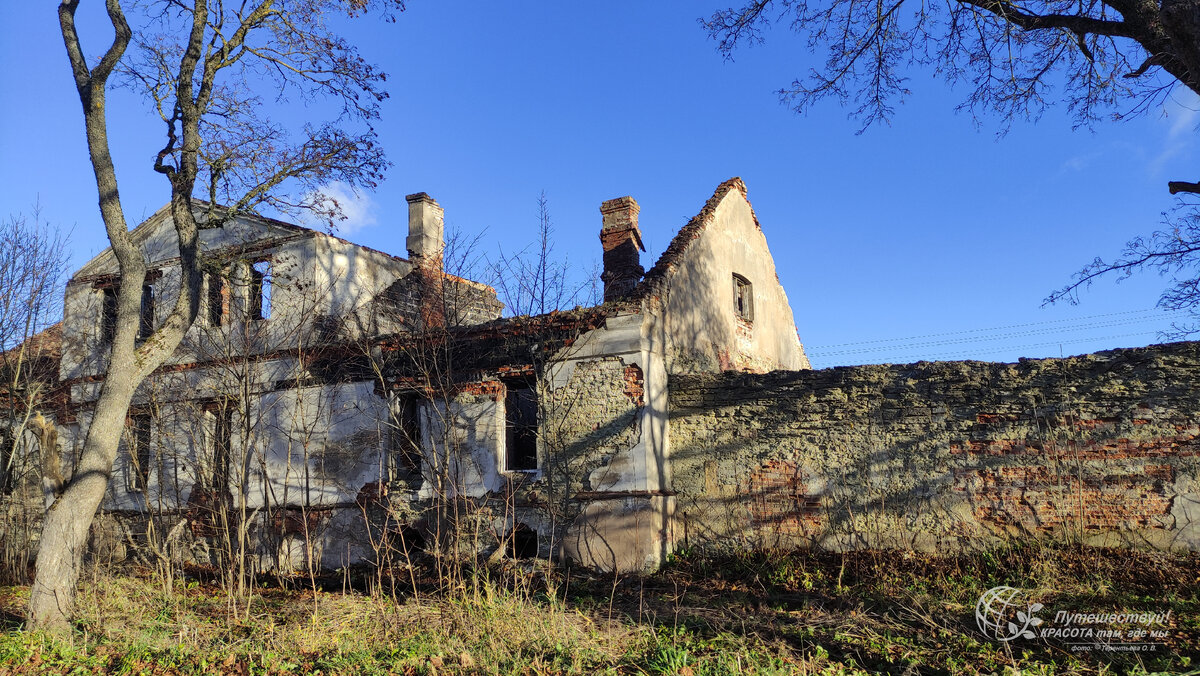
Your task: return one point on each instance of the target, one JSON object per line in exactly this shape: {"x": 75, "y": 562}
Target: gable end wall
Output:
{"x": 704, "y": 331}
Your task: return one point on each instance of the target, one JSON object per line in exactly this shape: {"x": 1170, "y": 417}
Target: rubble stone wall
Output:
{"x": 1102, "y": 448}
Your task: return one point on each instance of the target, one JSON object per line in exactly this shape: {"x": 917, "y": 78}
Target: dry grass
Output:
{"x": 817, "y": 613}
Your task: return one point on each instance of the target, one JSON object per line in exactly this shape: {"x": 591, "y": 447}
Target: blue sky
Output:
{"x": 929, "y": 238}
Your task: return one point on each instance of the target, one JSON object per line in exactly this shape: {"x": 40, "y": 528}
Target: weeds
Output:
{"x": 765, "y": 612}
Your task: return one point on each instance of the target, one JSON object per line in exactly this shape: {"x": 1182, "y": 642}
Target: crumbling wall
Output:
{"x": 459, "y": 302}
{"x": 1101, "y": 448}
{"x": 591, "y": 424}
{"x": 694, "y": 278}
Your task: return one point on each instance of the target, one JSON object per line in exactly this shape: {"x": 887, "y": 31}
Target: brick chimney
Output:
{"x": 425, "y": 231}
{"x": 426, "y": 243}
{"x": 622, "y": 240}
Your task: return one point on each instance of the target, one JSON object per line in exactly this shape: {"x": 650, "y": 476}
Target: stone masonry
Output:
{"x": 1102, "y": 448}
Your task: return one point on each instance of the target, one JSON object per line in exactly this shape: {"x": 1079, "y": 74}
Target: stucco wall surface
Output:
{"x": 703, "y": 329}
{"x": 1103, "y": 448}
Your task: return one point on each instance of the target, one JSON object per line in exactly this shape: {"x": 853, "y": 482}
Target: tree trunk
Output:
{"x": 65, "y": 532}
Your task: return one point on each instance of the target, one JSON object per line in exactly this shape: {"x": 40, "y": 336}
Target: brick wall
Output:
{"x": 948, "y": 455}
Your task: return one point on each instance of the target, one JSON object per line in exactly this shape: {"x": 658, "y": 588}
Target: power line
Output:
{"x": 1164, "y": 314}
{"x": 989, "y": 338}
{"x": 1008, "y": 348}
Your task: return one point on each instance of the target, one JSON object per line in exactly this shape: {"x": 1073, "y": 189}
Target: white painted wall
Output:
{"x": 703, "y": 331}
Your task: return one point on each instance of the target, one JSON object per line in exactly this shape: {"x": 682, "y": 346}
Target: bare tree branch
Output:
{"x": 203, "y": 80}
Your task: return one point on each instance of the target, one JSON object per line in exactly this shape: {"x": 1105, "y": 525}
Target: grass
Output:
{"x": 766, "y": 612}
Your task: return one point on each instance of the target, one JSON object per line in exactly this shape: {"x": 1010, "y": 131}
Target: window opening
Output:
{"x": 406, "y": 435}
{"x": 138, "y": 476}
{"x": 743, "y": 298}
{"x": 108, "y": 314}
{"x": 260, "y": 289}
{"x": 146, "y": 318}
{"x": 216, "y": 300}
{"x": 411, "y": 539}
{"x": 8, "y": 460}
{"x": 221, "y": 447}
{"x": 523, "y": 542}
{"x": 521, "y": 408}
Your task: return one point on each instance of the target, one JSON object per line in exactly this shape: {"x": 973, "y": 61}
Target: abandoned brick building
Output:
{"x": 322, "y": 377}
{"x": 331, "y": 397}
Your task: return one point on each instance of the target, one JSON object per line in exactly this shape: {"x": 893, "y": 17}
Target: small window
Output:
{"x": 260, "y": 289}
{"x": 146, "y": 318}
{"x": 137, "y": 475}
{"x": 215, "y": 297}
{"x": 743, "y": 298}
{"x": 406, "y": 435}
{"x": 520, "y": 410}
{"x": 108, "y": 314}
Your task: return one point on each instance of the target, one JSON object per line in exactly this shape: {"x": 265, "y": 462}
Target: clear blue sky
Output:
{"x": 929, "y": 226}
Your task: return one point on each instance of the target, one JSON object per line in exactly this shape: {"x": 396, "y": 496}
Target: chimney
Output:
{"x": 425, "y": 231}
{"x": 622, "y": 240}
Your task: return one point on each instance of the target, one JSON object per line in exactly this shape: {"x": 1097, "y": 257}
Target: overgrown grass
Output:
{"x": 771, "y": 613}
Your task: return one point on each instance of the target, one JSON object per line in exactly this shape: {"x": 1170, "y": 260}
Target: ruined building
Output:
{"x": 335, "y": 404}
{"x": 325, "y": 384}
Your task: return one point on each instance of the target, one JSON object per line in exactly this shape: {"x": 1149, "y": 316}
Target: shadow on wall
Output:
{"x": 1101, "y": 449}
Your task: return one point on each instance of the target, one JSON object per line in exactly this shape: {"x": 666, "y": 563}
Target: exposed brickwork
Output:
{"x": 780, "y": 500}
{"x": 439, "y": 300}
{"x": 487, "y": 388}
{"x": 292, "y": 521}
{"x": 372, "y": 493}
{"x": 635, "y": 385}
{"x": 1179, "y": 446}
{"x": 943, "y": 455}
{"x": 1042, "y": 499}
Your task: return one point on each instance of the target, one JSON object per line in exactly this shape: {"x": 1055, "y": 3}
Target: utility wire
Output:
{"x": 1168, "y": 314}
{"x": 1001, "y": 348}
{"x": 987, "y": 338}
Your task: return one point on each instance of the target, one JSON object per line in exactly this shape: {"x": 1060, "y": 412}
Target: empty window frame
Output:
{"x": 743, "y": 298}
{"x": 406, "y": 435}
{"x": 220, "y": 447}
{"x": 260, "y": 289}
{"x": 521, "y": 427}
{"x": 137, "y": 474}
{"x": 215, "y": 299}
{"x": 146, "y": 316}
{"x": 108, "y": 314}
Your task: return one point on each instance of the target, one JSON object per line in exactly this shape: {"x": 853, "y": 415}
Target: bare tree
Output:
{"x": 1016, "y": 57}
{"x": 534, "y": 281}
{"x": 32, "y": 263}
{"x": 1104, "y": 55}
{"x": 202, "y": 65}
{"x": 1173, "y": 252}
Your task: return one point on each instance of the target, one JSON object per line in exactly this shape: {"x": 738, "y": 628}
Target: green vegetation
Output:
{"x": 769, "y": 613}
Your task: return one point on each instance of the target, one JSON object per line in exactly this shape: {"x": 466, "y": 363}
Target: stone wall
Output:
{"x": 1103, "y": 448}
{"x": 591, "y": 423}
